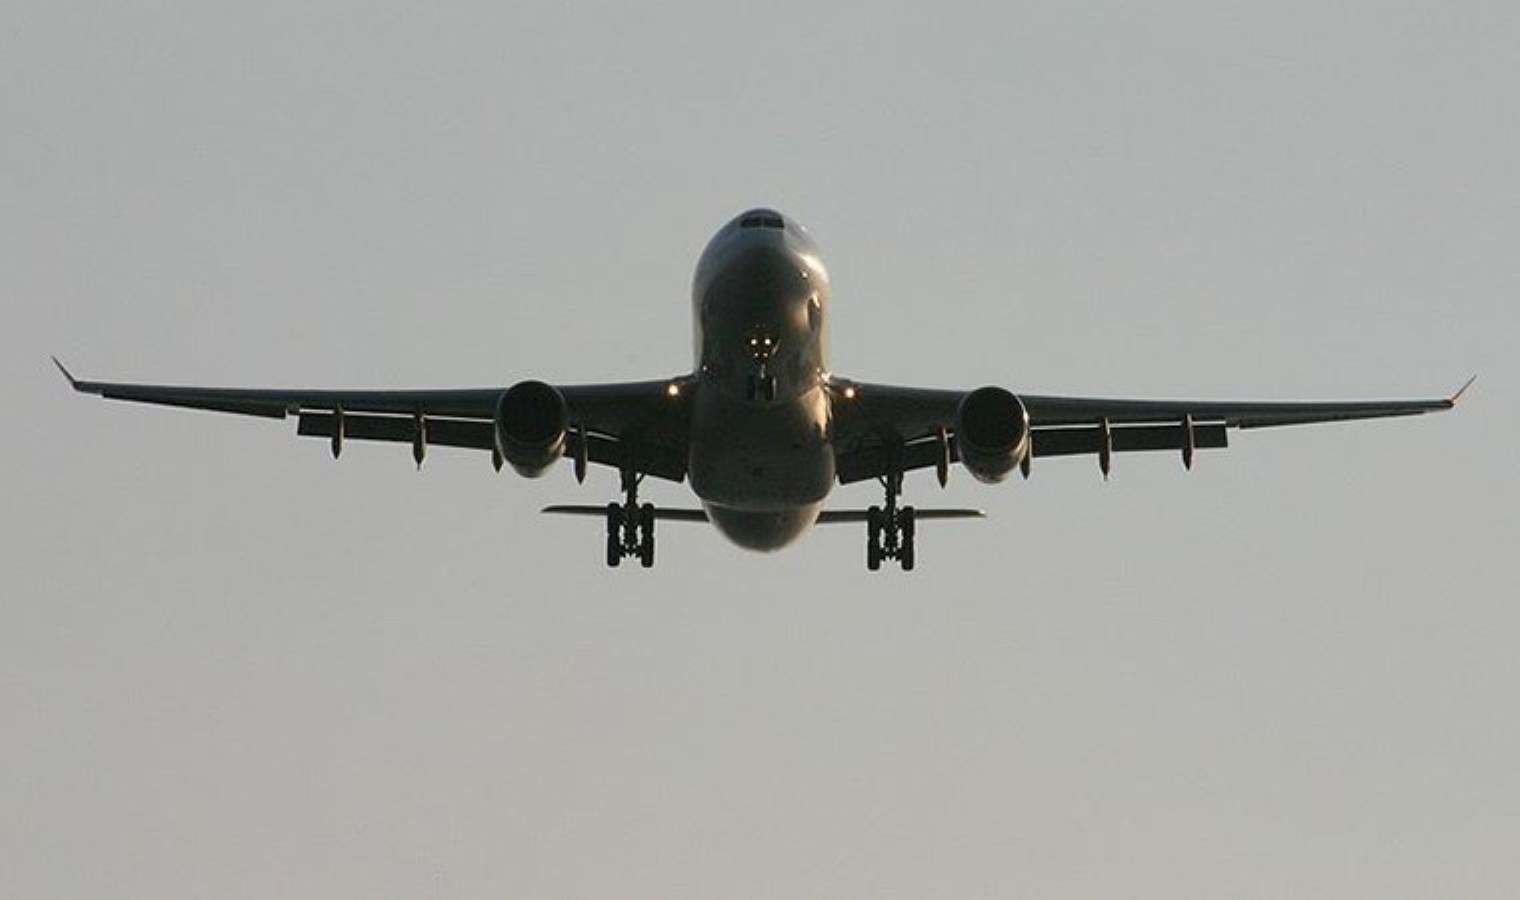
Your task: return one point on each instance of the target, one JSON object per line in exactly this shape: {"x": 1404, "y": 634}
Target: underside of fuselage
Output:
{"x": 766, "y": 530}
{"x": 759, "y": 452}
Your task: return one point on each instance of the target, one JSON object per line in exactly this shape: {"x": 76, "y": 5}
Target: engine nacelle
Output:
{"x": 992, "y": 433}
{"x": 531, "y": 420}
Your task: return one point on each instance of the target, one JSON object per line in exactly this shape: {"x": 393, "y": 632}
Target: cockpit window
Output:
{"x": 762, "y": 221}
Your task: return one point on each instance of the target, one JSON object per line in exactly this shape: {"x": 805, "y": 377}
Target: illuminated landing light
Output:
{"x": 762, "y": 345}
{"x": 849, "y": 392}
{"x": 672, "y": 390}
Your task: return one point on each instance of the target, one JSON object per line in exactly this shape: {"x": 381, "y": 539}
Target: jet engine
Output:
{"x": 531, "y": 418}
{"x": 992, "y": 433}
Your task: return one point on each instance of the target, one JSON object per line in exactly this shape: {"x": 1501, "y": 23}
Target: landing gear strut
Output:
{"x": 890, "y": 529}
{"x": 630, "y": 526}
{"x": 760, "y": 387}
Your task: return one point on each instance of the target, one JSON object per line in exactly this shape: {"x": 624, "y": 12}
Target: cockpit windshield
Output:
{"x": 762, "y": 218}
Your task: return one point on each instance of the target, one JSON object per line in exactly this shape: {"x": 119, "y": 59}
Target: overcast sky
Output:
{"x": 230, "y": 667}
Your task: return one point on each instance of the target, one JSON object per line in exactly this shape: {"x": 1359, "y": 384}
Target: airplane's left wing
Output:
{"x": 879, "y": 427}
{"x": 635, "y": 425}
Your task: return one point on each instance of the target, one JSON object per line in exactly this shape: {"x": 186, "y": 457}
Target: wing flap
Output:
{"x": 399, "y": 429}
{"x": 657, "y": 459}
{"x": 1126, "y": 439}
{"x": 874, "y": 460}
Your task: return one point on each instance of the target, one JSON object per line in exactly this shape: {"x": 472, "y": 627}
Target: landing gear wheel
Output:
{"x": 873, "y": 538}
{"x": 614, "y": 535}
{"x": 906, "y": 550}
{"x": 646, "y": 535}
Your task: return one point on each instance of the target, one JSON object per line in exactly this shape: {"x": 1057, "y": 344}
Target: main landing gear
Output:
{"x": 890, "y": 529}
{"x": 630, "y": 526}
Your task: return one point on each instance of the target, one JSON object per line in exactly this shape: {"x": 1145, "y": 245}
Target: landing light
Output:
{"x": 849, "y": 393}
{"x": 672, "y": 390}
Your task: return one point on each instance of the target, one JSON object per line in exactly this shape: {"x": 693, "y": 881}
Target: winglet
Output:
{"x": 1461, "y": 390}
{"x": 73, "y": 382}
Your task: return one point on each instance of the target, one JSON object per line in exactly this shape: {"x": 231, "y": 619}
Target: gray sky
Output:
{"x": 230, "y": 667}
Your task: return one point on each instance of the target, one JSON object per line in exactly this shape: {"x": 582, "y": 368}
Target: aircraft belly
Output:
{"x": 761, "y": 457}
{"x": 766, "y": 530}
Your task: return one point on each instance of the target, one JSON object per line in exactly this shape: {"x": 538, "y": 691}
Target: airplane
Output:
{"x": 760, "y": 428}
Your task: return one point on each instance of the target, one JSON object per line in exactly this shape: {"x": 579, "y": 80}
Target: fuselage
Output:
{"x": 760, "y": 454}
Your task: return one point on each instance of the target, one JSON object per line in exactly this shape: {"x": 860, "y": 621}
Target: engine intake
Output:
{"x": 992, "y": 433}
{"x": 531, "y": 420}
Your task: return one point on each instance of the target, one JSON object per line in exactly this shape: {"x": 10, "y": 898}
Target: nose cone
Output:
{"x": 762, "y": 285}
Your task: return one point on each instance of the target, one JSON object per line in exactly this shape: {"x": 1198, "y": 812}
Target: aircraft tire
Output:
{"x": 908, "y": 550}
{"x": 646, "y": 535}
{"x": 614, "y": 535}
{"x": 873, "y": 538}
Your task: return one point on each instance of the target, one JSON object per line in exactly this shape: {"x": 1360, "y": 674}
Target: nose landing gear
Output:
{"x": 760, "y": 386}
{"x": 630, "y": 526}
{"x": 890, "y": 530}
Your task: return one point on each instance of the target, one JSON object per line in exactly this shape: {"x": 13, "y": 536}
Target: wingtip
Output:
{"x": 73, "y": 382}
{"x": 1461, "y": 390}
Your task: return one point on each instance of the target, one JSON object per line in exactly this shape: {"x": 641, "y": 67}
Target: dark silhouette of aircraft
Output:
{"x": 760, "y": 427}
